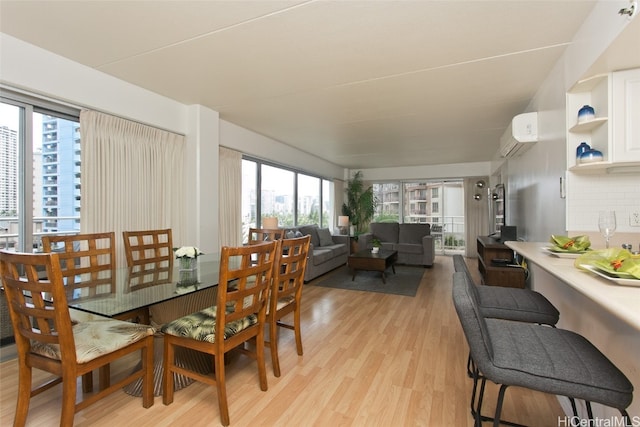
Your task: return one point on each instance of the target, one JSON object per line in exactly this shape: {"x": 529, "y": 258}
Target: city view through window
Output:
{"x": 295, "y": 199}
{"x": 39, "y": 175}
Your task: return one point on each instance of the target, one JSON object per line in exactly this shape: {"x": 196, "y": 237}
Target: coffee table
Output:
{"x": 366, "y": 260}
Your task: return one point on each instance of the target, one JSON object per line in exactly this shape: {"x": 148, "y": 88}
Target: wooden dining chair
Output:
{"x": 259, "y": 235}
{"x": 149, "y": 252}
{"x": 238, "y": 316}
{"x": 149, "y": 255}
{"x": 286, "y": 292}
{"x": 46, "y": 339}
{"x": 87, "y": 262}
{"x": 148, "y": 248}
{"x": 88, "y": 266}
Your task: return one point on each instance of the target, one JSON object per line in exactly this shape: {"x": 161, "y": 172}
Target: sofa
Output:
{"x": 414, "y": 242}
{"x": 326, "y": 251}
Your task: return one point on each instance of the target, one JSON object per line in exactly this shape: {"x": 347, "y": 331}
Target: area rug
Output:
{"x": 404, "y": 282}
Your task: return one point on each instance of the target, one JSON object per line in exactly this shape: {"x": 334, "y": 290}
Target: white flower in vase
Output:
{"x": 188, "y": 271}
{"x": 187, "y": 252}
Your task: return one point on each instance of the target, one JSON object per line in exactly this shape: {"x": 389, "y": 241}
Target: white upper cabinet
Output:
{"x": 626, "y": 116}
{"x": 613, "y": 130}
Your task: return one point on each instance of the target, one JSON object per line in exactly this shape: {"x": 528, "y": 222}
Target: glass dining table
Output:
{"x": 132, "y": 293}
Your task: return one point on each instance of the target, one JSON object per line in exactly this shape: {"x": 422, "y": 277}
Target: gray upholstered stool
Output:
{"x": 537, "y": 357}
{"x": 497, "y": 302}
{"x": 523, "y": 305}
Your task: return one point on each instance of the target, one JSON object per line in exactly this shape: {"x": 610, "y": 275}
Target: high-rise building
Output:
{"x": 8, "y": 171}
{"x": 60, "y": 175}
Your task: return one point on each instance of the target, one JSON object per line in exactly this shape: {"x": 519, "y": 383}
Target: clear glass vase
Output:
{"x": 188, "y": 271}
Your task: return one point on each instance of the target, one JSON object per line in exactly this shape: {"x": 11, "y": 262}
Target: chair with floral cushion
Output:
{"x": 88, "y": 266}
{"x": 238, "y": 316}
{"x": 286, "y": 292}
{"x": 46, "y": 339}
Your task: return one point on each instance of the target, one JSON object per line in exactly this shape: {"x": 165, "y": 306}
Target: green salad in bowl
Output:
{"x": 577, "y": 244}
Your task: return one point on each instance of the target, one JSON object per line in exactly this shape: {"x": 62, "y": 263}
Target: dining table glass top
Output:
{"x": 132, "y": 291}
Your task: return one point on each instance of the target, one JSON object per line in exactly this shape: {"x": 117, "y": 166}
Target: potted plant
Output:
{"x": 376, "y": 244}
{"x": 361, "y": 204}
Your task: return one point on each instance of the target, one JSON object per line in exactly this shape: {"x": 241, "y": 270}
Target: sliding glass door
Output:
{"x": 39, "y": 172}
{"x": 438, "y": 203}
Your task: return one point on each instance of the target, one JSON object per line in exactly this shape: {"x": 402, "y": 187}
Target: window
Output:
{"x": 276, "y": 194}
{"x": 295, "y": 198}
{"x": 435, "y": 209}
{"x": 327, "y": 203}
{"x": 40, "y": 171}
{"x": 416, "y": 201}
{"x": 438, "y": 203}
{"x": 249, "y": 197}
{"x": 388, "y": 206}
{"x": 308, "y": 199}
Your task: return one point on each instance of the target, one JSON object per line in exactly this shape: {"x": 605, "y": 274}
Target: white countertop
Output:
{"x": 622, "y": 301}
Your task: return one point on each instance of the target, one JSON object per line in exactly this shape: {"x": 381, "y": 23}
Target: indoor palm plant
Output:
{"x": 360, "y": 205}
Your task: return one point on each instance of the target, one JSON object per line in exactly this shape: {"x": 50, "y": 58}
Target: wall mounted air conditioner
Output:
{"x": 520, "y": 135}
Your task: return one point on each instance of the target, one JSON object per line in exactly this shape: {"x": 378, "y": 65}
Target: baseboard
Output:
{"x": 7, "y": 341}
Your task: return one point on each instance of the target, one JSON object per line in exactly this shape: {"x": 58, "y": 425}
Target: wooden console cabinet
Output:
{"x": 492, "y": 275}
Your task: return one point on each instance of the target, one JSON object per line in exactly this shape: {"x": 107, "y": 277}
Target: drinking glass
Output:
{"x": 607, "y": 225}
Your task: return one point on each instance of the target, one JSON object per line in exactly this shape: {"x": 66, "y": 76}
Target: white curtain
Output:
{"x": 230, "y": 218}
{"x": 132, "y": 178}
{"x": 476, "y": 214}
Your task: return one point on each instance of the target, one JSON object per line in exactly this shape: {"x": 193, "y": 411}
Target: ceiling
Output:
{"x": 362, "y": 84}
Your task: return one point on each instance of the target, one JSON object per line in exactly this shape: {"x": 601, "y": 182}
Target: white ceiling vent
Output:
{"x": 520, "y": 135}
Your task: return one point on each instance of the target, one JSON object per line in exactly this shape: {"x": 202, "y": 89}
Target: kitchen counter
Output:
{"x": 606, "y": 313}
{"x": 621, "y": 301}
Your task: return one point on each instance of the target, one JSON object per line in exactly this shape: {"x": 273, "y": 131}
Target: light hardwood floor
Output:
{"x": 369, "y": 360}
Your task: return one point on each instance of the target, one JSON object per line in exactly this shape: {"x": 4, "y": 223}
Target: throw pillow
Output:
{"x": 325, "y": 237}
{"x": 298, "y": 234}
{"x": 311, "y": 230}
{"x": 291, "y": 234}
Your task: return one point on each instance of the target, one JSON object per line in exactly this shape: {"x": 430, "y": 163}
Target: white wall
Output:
{"x": 40, "y": 72}
{"x": 460, "y": 170}
{"x": 251, "y": 143}
{"x": 202, "y": 180}
{"x": 533, "y": 179}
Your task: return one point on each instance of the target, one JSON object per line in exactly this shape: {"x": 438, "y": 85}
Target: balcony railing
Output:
{"x": 9, "y": 236}
{"x": 448, "y": 234}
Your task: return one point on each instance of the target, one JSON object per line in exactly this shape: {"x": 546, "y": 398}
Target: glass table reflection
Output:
{"x": 135, "y": 291}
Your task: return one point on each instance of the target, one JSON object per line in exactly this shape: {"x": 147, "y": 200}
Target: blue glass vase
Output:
{"x": 586, "y": 113}
{"x": 583, "y": 147}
